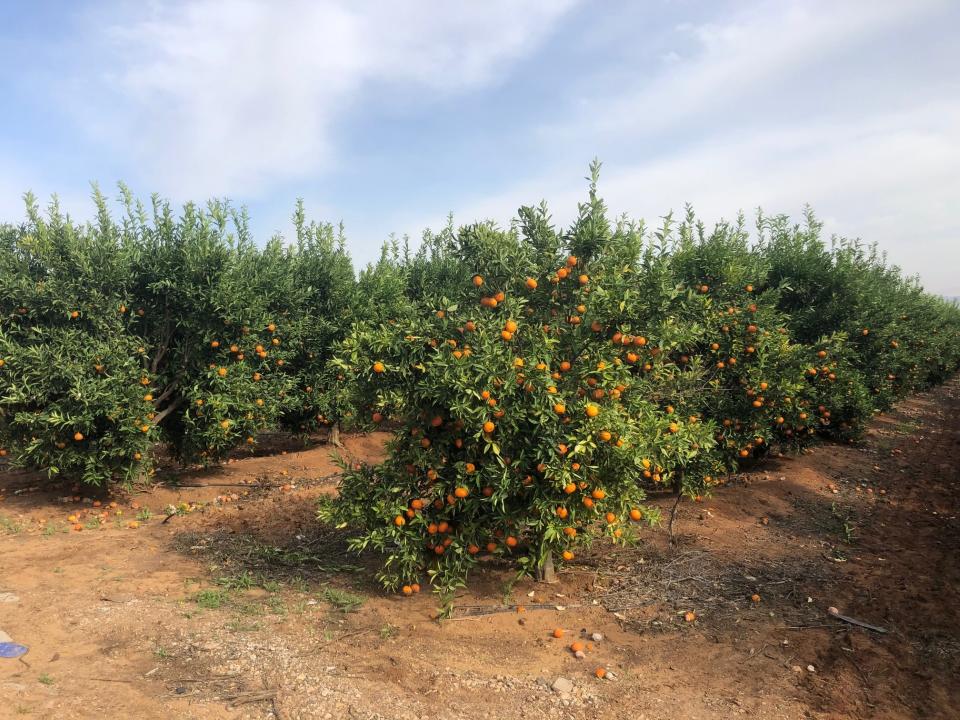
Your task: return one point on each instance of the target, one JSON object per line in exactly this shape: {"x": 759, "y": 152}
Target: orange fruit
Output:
{"x": 378, "y": 367}
{"x": 78, "y": 436}
{"x": 399, "y": 521}
{"x": 600, "y": 672}
{"x": 592, "y": 411}
{"x": 636, "y": 515}
{"x": 461, "y": 492}
{"x": 559, "y": 408}
{"x": 531, "y": 283}
{"x": 488, "y": 427}
{"x": 510, "y": 326}
{"x": 407, "y": 590}
{"x": 576, "y": 646}
{"x": 690, "y": 616}
{"x": 477, "y": 281}
{"x": 511, "y": 541}
{"x": 558, "y": 632}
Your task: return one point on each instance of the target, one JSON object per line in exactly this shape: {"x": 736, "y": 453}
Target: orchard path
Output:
{"x": 247, "y": 608}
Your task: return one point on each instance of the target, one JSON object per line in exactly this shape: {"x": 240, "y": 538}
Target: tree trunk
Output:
{"x": 678, "y": 488}
{"x": 545, "y": 572}
{"x": 335, "y": 435}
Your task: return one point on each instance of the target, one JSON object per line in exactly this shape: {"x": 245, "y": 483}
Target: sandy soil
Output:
{"x": 243, "y": 606}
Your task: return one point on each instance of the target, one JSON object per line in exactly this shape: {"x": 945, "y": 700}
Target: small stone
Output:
{"x": 596, "y": 637}
{"x": 811, "y": 668}
{"x": 562, "y": 685}
{"x": 579, "y": 654}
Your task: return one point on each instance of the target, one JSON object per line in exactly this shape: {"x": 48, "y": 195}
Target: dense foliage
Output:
{"x": 543, "y": 381}
{"x": 539, "y": 382}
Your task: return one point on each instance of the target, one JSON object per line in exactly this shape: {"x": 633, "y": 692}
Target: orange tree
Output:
{"x": 159, "y": 327}
{"x": 205, "y": 301}
{"x": 888, "y": 336}
{"x": 74, "y": 397}
{"x": 520, "y": 432}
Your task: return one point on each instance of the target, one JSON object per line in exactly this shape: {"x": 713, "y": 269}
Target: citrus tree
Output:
{"x": 74, "y": 395}
{"x": 521, "y": 433}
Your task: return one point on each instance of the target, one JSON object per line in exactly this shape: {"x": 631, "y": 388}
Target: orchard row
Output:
{"x": 539, "y": 381}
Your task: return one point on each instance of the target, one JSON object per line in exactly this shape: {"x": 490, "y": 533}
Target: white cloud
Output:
{"x": 880, "y": 165}
{"x": 227, "y": 97}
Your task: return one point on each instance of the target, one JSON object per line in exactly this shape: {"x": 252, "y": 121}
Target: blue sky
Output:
{"x": 389, "y": 115}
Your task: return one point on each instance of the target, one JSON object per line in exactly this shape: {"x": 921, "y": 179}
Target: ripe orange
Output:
{"x": 559, "y": 408}
{"x": 605, "y": 435}
{"x": 570, "y": 532}
{"x": 600, "y": 672}
{"x": 562, "y": 513}
{"x": 78, "y": 436}
{"x": 461, "y": 492}
{"x": 407, "y": 590}
{"x": 610, "y": 518}
{"x": 558, "y": 632}
{"x": 584, "y": 279}
{"x": 488, "y": 427}
{"x": 399, "y": 521}
{"x": 510, "y": 326}
{"x": 567, "y": 555}
{"x": 415, "y": 587}
{"x": 636, "y": 515}
{"x": 511, "y": 541}
{"x": 531, "y": 283}
{"x": 576, "y": 646}
{"x": 569, "y": 488}
{"x": 477, "y": 281}
{"x": 592, "y": 411}
{"x": 378, "y": 367}
{"x": 755, "y": 598}
{"x": 564, "y": 366}
{"x": 598, "y": 494}
{"x": 491, "y": 547}
{"x": 690, "y": 616}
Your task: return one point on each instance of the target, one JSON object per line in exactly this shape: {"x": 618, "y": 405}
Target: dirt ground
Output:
{"x": 242, "y": 606}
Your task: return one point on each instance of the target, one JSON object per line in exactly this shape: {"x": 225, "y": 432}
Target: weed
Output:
{"x": 212, "y": 599}
{"x": 241, "y": 581}
{"x": 388, "y": 631}
{"x": 342, "y": 600}
{"x": 45, "y": 679}
{"x": 9, "y": 525}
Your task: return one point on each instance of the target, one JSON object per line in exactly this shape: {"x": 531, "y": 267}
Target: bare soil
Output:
{"x": 243, "y": 606}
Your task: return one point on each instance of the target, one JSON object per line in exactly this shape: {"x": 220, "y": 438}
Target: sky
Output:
{"x": 387, "y": 116}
